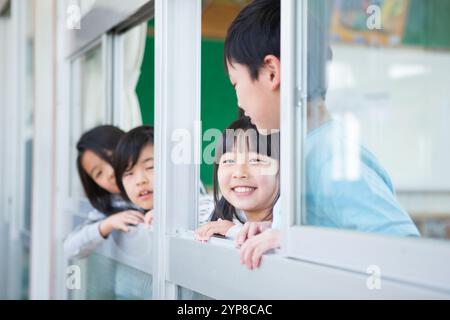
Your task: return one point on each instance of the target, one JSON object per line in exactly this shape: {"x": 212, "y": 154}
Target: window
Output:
{"x": 383, "y": 89}
{"x": 110, "y": 84}
{"x": 356, "y": 85}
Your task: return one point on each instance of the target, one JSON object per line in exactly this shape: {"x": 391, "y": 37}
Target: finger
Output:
{"x": 210, "y": 233}
{"x": 136, "y": 214}
{"x": 132, "y": 221}
{"x": 248, "y": 254}
{"x": 242, "y": 235}
{"x": 257, "y": 255}
{"x": 199, "y": 232}
{"x": 124, "y": 228}
{"x": 148, "y": 219}
{"x": 253, "y": 230}
{"x": 206, "y": 231}
{"x": 244, "y": 251}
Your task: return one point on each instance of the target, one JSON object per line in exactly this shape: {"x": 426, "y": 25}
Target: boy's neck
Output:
{"x": 317, "y": 114}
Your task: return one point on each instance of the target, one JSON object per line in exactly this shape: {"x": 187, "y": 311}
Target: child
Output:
{"x": 133, "y": 165}
{"x": 111, "y": 211}
{"x": 246, "y": 175}
{"x": 252, "y": 59}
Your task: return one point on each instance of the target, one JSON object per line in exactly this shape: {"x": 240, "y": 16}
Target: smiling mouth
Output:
{"x": 145, "y": 195}
{"x": 243, "y": 191}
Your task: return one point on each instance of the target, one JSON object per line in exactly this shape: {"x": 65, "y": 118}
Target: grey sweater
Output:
{"x": 85, "y": 238}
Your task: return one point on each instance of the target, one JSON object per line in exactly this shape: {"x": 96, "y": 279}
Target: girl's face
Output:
{"x": 100, "y": 171}
{"x": 138, "y": 180}
{"x": 248, "y": 181}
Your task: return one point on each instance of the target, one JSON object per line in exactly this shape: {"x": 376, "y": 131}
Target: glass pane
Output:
{"x": 186, "y": 294}
{"x": 107, "y": 279}
{"x": 218, "y": 98}
{"x": 127, "y": 276}
{"x": 88, "y": 108}
{"x": 93, "y": 107}
{"x": 377, "y": 112}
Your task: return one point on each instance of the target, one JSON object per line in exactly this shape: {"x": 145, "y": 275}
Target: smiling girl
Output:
{"x": 246, "y": 174}
{"x": 111, "y": 211}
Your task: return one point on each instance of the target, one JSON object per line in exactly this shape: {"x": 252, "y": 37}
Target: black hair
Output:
{"x": 102, "y": 141}
{"x": 128, "y": 151}
{"x": 255, "y": 33}
{"x": 268, "y": 145}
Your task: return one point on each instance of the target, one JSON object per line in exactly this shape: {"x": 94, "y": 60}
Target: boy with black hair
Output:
{"x": 252, "y": 59}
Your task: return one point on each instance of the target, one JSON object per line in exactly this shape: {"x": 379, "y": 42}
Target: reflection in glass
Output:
{"x": 374, "y": 154}
{"x": 107, "y": 279}
{"x": 186, "y": 294}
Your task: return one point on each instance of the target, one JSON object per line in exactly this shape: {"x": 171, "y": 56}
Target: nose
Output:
{"x": 110, "y": 174}
{"x": 240, "y": 171}
{"x": 141, "y": 179}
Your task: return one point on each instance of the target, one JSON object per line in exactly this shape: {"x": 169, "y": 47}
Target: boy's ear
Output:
{"x": 273, "y": 71}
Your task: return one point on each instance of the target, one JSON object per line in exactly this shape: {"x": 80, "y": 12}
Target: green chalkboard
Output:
{"x": 428, "y": 24}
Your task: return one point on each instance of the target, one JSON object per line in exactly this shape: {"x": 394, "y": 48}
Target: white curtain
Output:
{"x": 93, "y": 90}
{"x": 134, "y": 48}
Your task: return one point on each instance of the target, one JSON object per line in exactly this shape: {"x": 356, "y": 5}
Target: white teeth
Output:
{"x": 243, "y": 189}
{"x": 144, "y": 193}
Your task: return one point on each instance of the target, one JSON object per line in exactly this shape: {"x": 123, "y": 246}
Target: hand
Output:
{"x": 250, "y": 230}
{"x": 252, "y": 250}
{"x": 120, "y": 221}
{"x": 205, "y": 232}
{"x": 148, "y": 219}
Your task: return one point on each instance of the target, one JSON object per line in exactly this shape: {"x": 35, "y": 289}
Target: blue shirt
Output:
{"x": 347, "y": 188}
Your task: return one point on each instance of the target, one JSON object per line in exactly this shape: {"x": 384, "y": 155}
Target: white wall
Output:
{"x": 402, "y": 100}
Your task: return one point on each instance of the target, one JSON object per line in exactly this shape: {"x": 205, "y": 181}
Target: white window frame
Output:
{"x": 177, "y": 106}
{"x": 42, "y": 237}
{"x": 421, "y": 263}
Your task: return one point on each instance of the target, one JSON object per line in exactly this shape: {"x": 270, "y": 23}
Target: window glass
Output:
{"x": 374, "y": 152}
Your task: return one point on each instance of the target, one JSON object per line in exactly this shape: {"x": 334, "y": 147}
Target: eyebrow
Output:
{"x": 147, "y": 160}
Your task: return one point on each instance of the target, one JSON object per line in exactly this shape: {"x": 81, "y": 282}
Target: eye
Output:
{"x": 127, "y": 174}
{"x": 228, "y": 161}
{"x": 98, "y": 175}
{"x": 257, "y": 160}
{"x": 149, "y": 168}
